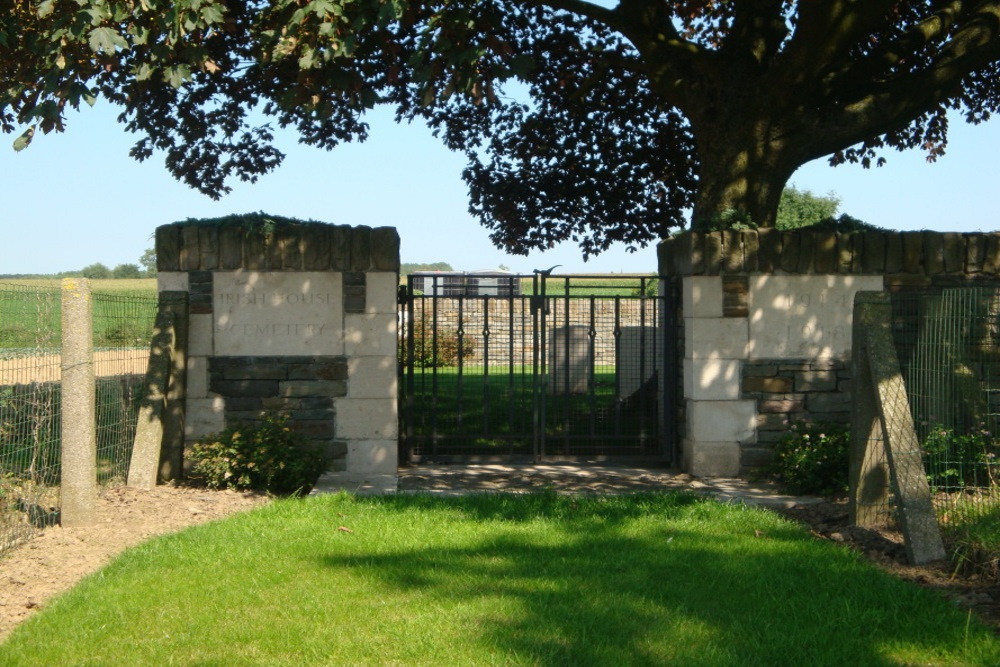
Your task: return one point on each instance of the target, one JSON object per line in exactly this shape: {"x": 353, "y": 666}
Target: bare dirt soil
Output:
{"x": 54, "y": 561}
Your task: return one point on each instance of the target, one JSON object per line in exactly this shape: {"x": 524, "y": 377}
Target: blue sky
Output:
{"x": 76, "y": 198}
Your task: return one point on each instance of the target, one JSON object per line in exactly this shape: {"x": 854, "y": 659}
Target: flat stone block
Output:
{"x": 168, "y": 248}
{"x": 385, "y": 249}
{"x": 372, "y": 377}
{"x": 781, "y": 405}
{"x": 320, "y": 368}
{"x": 772, "y": 422}
{"x": 370, "y": 335}
{"x": 767, "y": 385}
{"x": 372, "y": 456}
{"x": 716, "y": 338}
{"x": 200, "y": 338}
{"x": 702, "y": 296}
{"x": 711, "y": 459}
{"x": 245, "y": 404}
{"x": 367, "y": 419}
{"x": 243, "y": 388}
{"x": 756, "y": 457}
{"x": 273, "y": 313}
{"x": 828, "y": 402}
{"x": 294, "y": 388}
{"x": 721, "y": 421}
{"x": 172, "y": 281}
{"x": 197, "y": 377}
{"x": 314, "y": 429}
{"x": 203, "y": 416}
{"x": 711, "y": 379}
{"x": 816, "y": 381}
{"x": 751, "y": 369}
{"x": 804, "y": 317}
{"x": 380, "y": 296}
{"x": 357, "y": 483}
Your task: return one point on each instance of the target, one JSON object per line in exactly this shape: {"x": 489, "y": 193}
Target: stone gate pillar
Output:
{"x": 766, "y": 322}
{"x": 293, "y": 318}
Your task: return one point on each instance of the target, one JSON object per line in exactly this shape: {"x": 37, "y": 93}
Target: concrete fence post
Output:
{"x": 145, "y": 462}
{"x": 79, "y": 425}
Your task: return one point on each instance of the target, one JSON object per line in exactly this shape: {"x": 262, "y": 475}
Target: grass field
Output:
{"x": 498, "y": 579}
{"x": 30, "y": 313}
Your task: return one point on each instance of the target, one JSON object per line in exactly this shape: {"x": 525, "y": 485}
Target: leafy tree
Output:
{"x": 583, "y": 120}
{"x": 96, "y": 271}
{"x": 801, "y": 208}
{"x": 127, "y": 271}
{"x": 148, "y": 262}
{"x": 406, "y": 268}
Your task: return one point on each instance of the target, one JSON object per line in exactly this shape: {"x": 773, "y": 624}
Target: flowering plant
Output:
{"x": 812, "y": 458}
{"x": 266, "y": 455}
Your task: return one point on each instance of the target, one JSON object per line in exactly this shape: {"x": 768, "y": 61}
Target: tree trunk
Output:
{"x": 742, "y": 172}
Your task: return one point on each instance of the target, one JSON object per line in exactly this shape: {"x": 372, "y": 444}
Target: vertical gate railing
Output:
{"x": 582, "y": 366}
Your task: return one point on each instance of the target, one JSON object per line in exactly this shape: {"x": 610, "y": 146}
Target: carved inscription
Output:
{"x": 804, "y": 316}
{"x": 290, "y": 313}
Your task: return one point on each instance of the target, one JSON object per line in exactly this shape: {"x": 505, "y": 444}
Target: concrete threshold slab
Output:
{"x": 356, "y": 483}
{"x": 491, "y": 478}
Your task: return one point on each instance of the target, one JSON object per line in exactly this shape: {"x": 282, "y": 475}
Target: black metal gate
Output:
{"x": 503, "y": 367}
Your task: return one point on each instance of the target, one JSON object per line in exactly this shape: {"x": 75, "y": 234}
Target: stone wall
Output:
{"x": 300, "y": 320}
{"x": 506, "y": 324}
{"x": 766, "y": 333}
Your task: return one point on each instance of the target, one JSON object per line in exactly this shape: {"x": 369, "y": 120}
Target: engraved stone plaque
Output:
{"x": 270, "y": 313}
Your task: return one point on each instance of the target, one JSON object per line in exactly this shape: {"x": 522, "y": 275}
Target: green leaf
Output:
{"x": 22, "y": 141}
{"x": 177, "y": 75}
{"x": 322, "y": 7}
{"x": 307, "y": 59}
{"x": 45, "y": 8}
{"x": 104, "y": 40}
{"x": 212, "y": 14}
{"x": 143, "y": 72}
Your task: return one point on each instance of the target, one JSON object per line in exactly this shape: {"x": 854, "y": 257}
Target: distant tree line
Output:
{"x": 146, "y": 268}
{"x": 406, "y": 268}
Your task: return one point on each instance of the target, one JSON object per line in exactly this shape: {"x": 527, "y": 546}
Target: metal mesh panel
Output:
{"x": 29, "y": 409}
{"x": 30, "y": 397}
{"x": 947, "y": 342}
{"x": 123, "y": 326}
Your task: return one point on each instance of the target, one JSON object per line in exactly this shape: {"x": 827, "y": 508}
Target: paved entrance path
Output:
{"x": 563, "y": 478}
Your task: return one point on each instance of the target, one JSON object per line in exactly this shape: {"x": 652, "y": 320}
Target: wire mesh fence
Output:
{"x": 29, "y": 408}
{"x": 948, "y": 344}
{"x": 123, "y": 326}
{"x": 31, "y": 397}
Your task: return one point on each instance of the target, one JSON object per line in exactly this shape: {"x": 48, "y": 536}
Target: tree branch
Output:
{"x": 667, "y": 59}
{"x": 758, "y": 30}
{"x": 889, "y": 102}
{"x": 825, "y": 33}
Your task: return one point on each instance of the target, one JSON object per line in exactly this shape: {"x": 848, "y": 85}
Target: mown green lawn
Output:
{"x": 498, "y": 579}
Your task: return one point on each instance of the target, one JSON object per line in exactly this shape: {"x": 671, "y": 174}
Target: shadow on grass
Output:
{"x": 702, "y": 585}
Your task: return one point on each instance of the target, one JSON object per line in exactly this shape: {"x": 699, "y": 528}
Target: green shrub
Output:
{"x": 813, "y": 459}
{"x": 958, "y": 460}
{"x": 425, "y": 354}
{"x": 264, "y": 456}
